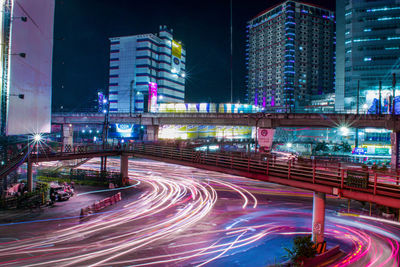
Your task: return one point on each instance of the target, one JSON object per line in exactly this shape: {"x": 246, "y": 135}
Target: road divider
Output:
{"x": 99, "y": 205}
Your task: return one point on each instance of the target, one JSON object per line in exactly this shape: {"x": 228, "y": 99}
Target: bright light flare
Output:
{"x": 37, "y": 137}
{"x": 344, "y": 130}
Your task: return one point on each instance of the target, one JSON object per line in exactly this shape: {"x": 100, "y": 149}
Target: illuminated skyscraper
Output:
{"x": 290, "y": 56}
{"x": 368, "y": 51}
{"x": 140, "y": 60}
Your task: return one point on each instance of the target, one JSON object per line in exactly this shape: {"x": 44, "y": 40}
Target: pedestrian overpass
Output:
{"x": 382, "y": 188}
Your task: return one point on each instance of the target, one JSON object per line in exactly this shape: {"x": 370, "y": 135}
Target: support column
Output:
{"x": 68, "y": 136}
{"x": 318, "y": 221}
{"x": 29, "y": 176}
{"x": 394, "y": 138}
{"x": 152, "y": 133}
{"x": 124, "y": 169}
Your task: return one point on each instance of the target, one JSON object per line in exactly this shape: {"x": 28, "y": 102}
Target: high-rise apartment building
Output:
{"x": 290, "y": 56}
{"x": 367, "y": 51}
{"x": 145, "y": 62}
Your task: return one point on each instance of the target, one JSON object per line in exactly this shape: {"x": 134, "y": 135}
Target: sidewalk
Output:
{"x": 63, "y": 209}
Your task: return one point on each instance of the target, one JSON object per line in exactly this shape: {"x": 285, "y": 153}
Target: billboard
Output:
{"x": 125, "y": 130}
{"x": 265, "y": 137}
{"x": 30, "y": 67}
{"x": 152, "y": 101}
{"x": 203, "y": 131}
{"x": 176, "y": 54}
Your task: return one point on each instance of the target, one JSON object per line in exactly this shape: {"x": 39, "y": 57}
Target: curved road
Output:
{"x": 179, "y": 216}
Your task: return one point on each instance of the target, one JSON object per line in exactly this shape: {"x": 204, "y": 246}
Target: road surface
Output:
{"x": 174, "y": 215}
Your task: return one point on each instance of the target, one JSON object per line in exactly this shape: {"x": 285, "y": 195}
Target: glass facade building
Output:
{"x": 368, "y": 53}
{"x": 290, "y": 56}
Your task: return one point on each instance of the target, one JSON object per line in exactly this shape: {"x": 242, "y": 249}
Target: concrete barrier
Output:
{"x": 99, "y": 205}
{"x": 321, "y": 258}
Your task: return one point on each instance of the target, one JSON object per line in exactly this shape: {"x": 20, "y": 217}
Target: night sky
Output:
{"x": 81, "y": 46}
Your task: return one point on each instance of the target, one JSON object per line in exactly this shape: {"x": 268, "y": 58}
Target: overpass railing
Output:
{"x": 374, "y": 182}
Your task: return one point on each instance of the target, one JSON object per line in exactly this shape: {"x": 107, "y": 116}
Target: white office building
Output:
{"x": 140, "y": 61}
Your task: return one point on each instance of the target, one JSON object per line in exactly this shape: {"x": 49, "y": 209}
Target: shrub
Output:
{"x": 364, "y": 167}
{"x": 303, "y": 248}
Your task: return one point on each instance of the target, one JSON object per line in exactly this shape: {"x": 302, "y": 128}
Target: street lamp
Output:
{"x": 20, "y": 96}
{"x": 23, "y": 55}
{"x": 37, "y": 138}
{"x": 23, "y": 19}
{"x": 344, "y": 130}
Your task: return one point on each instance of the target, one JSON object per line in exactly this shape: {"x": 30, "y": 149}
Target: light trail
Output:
{"x": 185, "y": 216}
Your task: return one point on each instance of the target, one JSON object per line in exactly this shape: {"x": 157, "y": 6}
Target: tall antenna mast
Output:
{"x": 231, "y": 55}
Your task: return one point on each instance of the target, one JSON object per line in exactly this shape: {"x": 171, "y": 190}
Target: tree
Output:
{"x": 303, "y": 248}
{"x": 336, "y": 148}
{"x": 346, "y": 147}
{"x": 321, "y": 146}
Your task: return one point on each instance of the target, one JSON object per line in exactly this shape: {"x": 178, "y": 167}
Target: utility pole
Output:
{"x": 103, "y": 162}
{"x": 358, "y": 96}
{"x": 394, "y": 92}
{"x": 358, "y": 110}
{"x": 380, "y": 98}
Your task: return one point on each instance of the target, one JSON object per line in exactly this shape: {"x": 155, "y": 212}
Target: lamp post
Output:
{"x": 106, "y": 112}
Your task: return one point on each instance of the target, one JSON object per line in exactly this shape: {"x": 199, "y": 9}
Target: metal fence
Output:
{"x": 384, "y": 183}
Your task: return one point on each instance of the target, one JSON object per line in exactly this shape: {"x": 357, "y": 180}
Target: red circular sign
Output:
{"x": 264, "y": 132}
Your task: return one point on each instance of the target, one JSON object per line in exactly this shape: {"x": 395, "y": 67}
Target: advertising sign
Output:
{"x": 394, "y": 138}
{"x": 176, "y": 49}
{"x": 359, "y": 150}
{"x": 100, "y": 99}
{"x": 265, "y": 137}
{"x": 30, "y": 67}
{"x": 124, "y": 130}
{"x": 152, "y": 104}
{"x": 176, "y": 54}
{"x": 357, "y": 179}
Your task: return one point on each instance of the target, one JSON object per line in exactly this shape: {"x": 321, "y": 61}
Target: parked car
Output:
{"x": 58, "y": 193}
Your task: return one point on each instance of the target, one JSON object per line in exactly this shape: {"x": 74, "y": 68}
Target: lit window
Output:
{"x": 367, "y": 59}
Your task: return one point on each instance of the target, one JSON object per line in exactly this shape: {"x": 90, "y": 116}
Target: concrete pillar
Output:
{"x": 124, "y": 169}
{"x": 318, "y": 220}
{"x": 29, "y": 176}
{"x": 152, "y": 133}
{"x": 394, "y": 138}
{"x": 68, "y": 135}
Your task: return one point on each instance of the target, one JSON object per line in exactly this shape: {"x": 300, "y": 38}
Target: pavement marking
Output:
{"x": 106, "y": 190}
